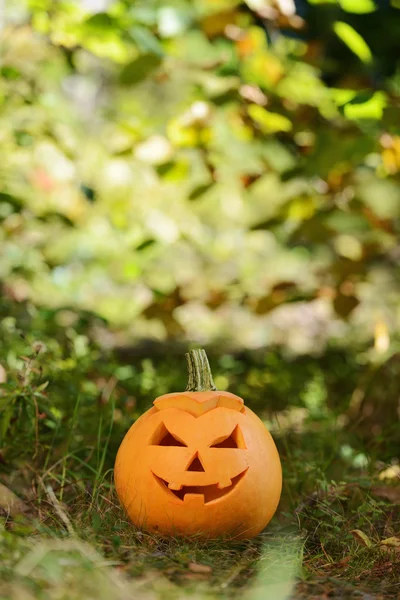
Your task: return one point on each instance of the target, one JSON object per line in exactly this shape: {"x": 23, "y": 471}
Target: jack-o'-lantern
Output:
{"x": 199, "y": 462}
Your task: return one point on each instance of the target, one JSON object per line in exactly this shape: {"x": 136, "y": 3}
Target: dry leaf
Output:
{"x": 10, "y": 502}
{"x": 392, "y": 472}
{"x": 361, "y": 538}
{"x": 392, "y": 542}
{"x": 387, "y": 492}
{"x": 198, "y": 568}
{"x": 343, "y": 562}
{"x": 382, "y": 569}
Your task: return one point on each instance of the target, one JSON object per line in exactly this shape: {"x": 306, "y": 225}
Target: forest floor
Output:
{"x": 83, "y": 547}
{"x": 63, "y": 534}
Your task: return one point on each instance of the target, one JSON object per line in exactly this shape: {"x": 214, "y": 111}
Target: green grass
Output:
{"x": 84, "y": 547}
{"x": 71, "y": 540}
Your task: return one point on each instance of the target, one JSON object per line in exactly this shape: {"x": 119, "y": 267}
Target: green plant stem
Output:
{"x": 200, "y": 376}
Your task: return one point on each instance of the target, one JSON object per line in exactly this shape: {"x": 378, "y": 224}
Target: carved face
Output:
{"x": 199, "y": 462}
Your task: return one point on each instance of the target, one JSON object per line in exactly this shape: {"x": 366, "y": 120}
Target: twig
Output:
{"x": 58, "y": 508}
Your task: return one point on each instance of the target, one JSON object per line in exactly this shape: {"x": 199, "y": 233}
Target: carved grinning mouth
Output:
{"x": 208, "y": 493}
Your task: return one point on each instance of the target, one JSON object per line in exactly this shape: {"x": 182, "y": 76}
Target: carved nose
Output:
{"x": 195, "y": 464}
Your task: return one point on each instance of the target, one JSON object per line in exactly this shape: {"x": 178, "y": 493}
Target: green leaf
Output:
{"x": 353, "y": 41}
{"x": 352, "y": 6}
{"x": 146, "y": 15}
{"x": 200, "y": 190}
{"x": 342, "y": 96}
{"x": 359, "y": 7}
{"x": 42, "y": 387}
{"x": 146, "y": 41}
{"x": 101, "y": 35}
{"x": 139, "y": 69}
{"x": 269, "y": 122}
{"x": 10, "y": 73}
{"x": 5, "y": 420}
{"x": 278, "y": 156}
{"x": 98, "y": 23}
{"x": 366, "y": 106}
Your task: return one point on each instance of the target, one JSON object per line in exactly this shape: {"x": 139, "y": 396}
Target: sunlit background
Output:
{"x": 209, "y": 171}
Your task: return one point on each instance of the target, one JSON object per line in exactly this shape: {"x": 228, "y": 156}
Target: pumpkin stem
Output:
{"x": 200, "y": 376}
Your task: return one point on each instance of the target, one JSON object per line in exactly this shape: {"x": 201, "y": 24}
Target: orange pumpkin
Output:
{"x": 199, "y": 462}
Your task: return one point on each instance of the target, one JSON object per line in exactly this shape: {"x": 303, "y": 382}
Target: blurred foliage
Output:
{"x": 213, "y": 170}
{"x": 61, "y": 392}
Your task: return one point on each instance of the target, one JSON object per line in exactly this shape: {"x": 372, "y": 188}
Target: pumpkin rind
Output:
{"x": 197, "y": 403}
{"x": 235, "y": 494}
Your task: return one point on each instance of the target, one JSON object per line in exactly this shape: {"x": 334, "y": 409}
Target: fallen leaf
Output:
{"x": 382, "y": 569}
{"x": 392, "y": 472}
{"x": 387, "y": 492}
{"x": 343, "y": 562}
{"x": 198, "y": 568}
{"x": 361, "y": 538}
{"x": 10, "y": 502}
{"x": 392, "y": 542}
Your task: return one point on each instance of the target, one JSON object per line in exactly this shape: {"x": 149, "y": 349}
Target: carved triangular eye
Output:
{"x": 228, "y": 442}
{"x": 234, "y": 440}
{"x": 163, "y": 437}
{"x": 170, "y": 440}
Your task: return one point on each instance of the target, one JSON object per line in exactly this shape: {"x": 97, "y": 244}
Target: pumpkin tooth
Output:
{"x": 175, "y": 486}
{"x": 224, "y": 483}
{"x": 194, "y": 499}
